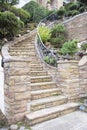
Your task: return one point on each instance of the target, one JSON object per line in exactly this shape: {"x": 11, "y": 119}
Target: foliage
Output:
{"x": 61, "y": 11}
{"x": 58, "y": 41}
{"x": 21, "y": 13}
{"x": 84, "y": 46}
{"x": 45, "y": 33}
{"x": 69, "y": 13}
{"x": 57, "y": 30}
{"x": 69, "y": 47}
{"x": 36, "y": 11}
{"x": 81, "y": 9}
{"x": 12, "y": 2}
{"x": 75, "y": 12}
{"x": 73, "y": 6}
{"x": 9, "y": 24}
{"x": 50, "y": 60}
{"x": 58, "y": 35}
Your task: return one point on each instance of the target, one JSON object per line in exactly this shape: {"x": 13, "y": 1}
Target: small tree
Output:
{"x": 21, "y": 13}
{"x": 9, "y": 24}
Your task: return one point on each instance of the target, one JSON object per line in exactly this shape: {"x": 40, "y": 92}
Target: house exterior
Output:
{"x": 53, "y": 4}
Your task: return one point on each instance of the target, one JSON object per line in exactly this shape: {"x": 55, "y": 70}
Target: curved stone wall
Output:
{"x": 77, "y": 27}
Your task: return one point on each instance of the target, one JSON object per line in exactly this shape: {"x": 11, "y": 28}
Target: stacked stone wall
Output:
{"x": 16, "y": 89}
{"x": 77, "y": 27}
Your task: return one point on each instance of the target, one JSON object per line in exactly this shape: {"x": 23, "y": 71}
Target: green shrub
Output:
{"x": 84, "y": 46}
{"x": 61, "y": 12}
{"x": 69, "y": 47}
{"x": 36, "y": 11}
{"x": 50, "y": 60}
{"x": 75, "y": 12}
{"x": 57, "y": 30}
{"x": 45, "y": 33}
{"x": 58, "y": 41}
{"x": 57, "y": 35}
{"x": 69, "y": 13}
{"x": 9, "y": 24}
{"x": 21, "y": 13}
{"x": 73, "y": 6}
{"x": 81, "y": 9}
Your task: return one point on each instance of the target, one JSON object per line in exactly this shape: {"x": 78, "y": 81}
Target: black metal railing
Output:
{"x": 48, "y": 55}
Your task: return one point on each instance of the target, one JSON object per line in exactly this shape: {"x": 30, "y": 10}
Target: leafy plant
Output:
{"x": 73, "y": 6}
{"x": 57, "y": 30}
{"x": 50, "y": 60}
{"x": 58, "y": 41}
{"x": 81, "y": 9}
{"x": 45, "y": 33}
{"x": 61, "y": 12}
{"x": 58, "y": 35}
{"x": 75, "y": 12}
{"x": 84, "y": 46}
{"x": 69, "y": 47}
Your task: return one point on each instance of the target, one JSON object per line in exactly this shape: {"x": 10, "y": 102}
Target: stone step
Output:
{"x": 22, "y": 53}
{"x": 43, "y": 85}
{"x": 24, "y": 56}
{"x": 23, "y": 44}
{"x": 47, "y": 102}
{"x": 40, "y": 78}
{"x": 50, "y": 113}
{"x": 38, "y": 73}
{"x": 44, "y": 93}
{"x": 36, "y": 68}
{"x": 22, "y": 47}
{"x": 35, "y": 64}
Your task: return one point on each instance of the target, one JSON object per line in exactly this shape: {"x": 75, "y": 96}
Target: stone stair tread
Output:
{"x": 42, "y": 83}
{"x": 44, "y": 100}
{"x": 38, "y": 70}
{"x": 48, "y": 111}
{"x": 40, "y": 77}
{"x": 44, "y": 91}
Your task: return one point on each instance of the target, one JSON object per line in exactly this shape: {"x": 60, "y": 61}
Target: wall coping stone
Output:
{"x": 66, "y": 62}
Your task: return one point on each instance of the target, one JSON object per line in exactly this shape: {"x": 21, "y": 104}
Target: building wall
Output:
{"x": 55, "y": 4}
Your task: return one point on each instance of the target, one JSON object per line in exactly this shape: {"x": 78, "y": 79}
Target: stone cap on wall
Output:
{"x": 67, "y": 61}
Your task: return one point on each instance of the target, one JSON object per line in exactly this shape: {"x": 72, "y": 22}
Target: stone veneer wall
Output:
{"x": 73, "y": 79}
{"x": 83, "y": 75}
{"x": 69, "y": 79}
{"x": 16, "y": 89}
{"x": 77, "y": 27}
{"x": 16, "y": 82}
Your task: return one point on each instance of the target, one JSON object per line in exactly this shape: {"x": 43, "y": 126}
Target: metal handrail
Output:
{"x": 45, "y": 52}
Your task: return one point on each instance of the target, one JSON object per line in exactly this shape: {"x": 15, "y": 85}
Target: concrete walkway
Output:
{"x": 73, "y": 121}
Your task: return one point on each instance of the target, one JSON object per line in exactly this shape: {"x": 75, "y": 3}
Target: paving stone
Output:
{"x": 4, "y": 128}
{"x": 14, "y": 127}
{"x": 73, "y": 121}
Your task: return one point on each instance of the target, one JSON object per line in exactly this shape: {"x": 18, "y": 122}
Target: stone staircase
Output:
{"x": 47, "y": 101}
